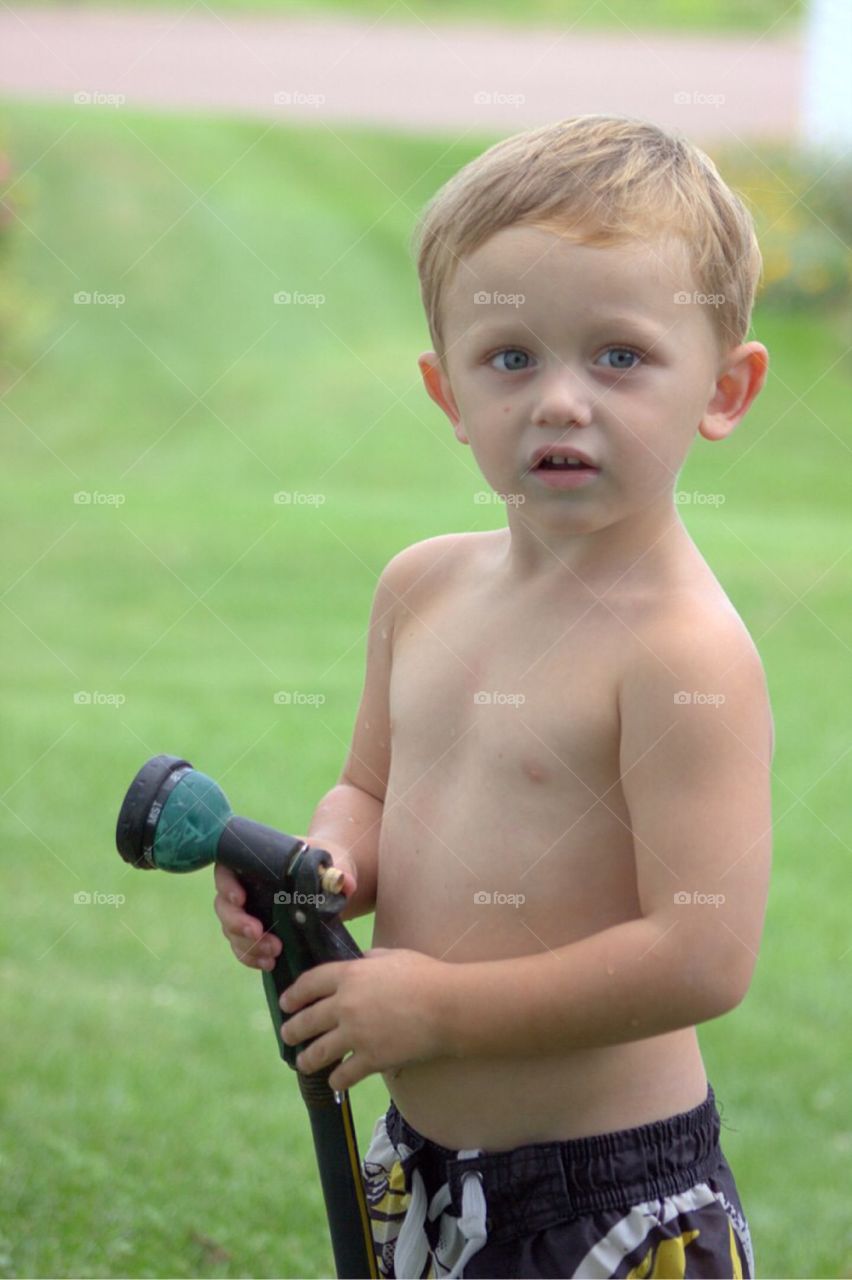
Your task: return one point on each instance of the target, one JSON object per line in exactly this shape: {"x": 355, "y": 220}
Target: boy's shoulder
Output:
{"x": 691, "y": 612}
{"x": 431, "y": 559}
{"x": 696, "y": 637}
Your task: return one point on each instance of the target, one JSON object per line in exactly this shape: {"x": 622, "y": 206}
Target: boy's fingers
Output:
{"x": 233, "y": 919}
{"x": 251, "y": 943}
{"x": 228, "y": 885}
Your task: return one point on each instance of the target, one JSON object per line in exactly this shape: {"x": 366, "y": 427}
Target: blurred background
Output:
{"x": 216, "y": 437}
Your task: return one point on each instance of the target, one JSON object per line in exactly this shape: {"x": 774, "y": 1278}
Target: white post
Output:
{"x": 826, "y": 109}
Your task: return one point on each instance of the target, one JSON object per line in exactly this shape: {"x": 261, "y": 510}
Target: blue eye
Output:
{"x": 510, "y": 351}
{"x": 623, "y": 351}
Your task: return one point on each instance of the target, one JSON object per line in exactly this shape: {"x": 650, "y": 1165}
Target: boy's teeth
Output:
{"x": 563, "y": 462}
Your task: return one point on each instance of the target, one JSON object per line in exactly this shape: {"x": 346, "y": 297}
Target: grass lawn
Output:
{"x": 619, "y": 16}
{"x": 151, "y": 1129}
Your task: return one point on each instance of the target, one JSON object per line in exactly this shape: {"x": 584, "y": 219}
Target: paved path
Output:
{"x": 435, "y": 78}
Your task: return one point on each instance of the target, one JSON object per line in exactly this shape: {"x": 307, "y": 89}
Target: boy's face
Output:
{"x": 591, "y": 348}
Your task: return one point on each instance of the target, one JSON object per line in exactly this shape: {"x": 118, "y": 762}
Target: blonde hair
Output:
{"x": 603, "y": 180}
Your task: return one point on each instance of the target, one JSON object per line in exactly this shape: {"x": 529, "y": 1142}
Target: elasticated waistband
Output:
{"x": 536, "y": 1186}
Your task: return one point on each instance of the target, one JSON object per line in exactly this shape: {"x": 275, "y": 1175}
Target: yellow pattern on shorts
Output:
{"x": 387, "y": 1215}
{"x": 669, "y": 1261}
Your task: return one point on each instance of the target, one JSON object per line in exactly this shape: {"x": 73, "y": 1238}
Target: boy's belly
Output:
{"x": 502, "y": 1104}
{"x": 444, "y": 844}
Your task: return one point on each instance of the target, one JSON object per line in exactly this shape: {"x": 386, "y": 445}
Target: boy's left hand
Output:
{"x": 384, "y": 1012}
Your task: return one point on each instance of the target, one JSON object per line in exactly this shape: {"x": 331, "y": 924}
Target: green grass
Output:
{"x": 150, "y": 1128}
{"x": 618, "y": 16}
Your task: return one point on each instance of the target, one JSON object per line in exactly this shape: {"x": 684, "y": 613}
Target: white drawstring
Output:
{"x": 412, "y": 1245}
{"x": 472, "y": 1220}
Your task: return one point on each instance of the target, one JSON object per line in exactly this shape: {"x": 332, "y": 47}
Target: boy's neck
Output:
{"x": 650, "y": 544}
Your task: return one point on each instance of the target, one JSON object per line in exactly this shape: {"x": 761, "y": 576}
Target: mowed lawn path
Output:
{"x": 415, "y": 75}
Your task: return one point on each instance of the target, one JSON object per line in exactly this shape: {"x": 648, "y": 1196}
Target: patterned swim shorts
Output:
{"x": 655, "y": 1201}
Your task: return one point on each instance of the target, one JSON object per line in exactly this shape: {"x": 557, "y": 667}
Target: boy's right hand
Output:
{"x": 245, "y": 933}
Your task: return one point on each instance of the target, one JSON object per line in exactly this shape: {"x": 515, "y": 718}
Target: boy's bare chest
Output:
{"x": 504, "y": 775}
{"x": 514, "y": 692}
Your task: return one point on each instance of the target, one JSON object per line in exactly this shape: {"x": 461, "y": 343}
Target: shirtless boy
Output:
{"x": 557, "y": 797}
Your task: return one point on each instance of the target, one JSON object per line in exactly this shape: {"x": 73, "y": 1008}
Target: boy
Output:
{"x": 557, "y": 797}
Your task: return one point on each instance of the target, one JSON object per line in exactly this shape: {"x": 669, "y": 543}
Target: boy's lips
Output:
{"x": 566, "y": 477}
{"x": 558, "y": 451}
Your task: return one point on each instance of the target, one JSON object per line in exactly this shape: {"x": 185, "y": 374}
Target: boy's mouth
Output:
{"x": 563, "y": 464}
{"x": 560, "y": 458}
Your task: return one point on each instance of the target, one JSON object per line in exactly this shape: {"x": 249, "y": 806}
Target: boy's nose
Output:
{"x": 562, "y": 401}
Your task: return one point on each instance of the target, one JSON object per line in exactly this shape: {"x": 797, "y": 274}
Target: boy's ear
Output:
{"x": 438, "y": 385}
{"x": 740, "y": 379}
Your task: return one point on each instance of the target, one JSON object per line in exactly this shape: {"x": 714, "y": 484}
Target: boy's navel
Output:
{"x": 534, "y": 771}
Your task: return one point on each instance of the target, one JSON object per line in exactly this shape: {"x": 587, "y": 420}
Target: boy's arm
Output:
{"x": 349, "y": 816}
{"x": 696, "y": 778}
{"x": 347, "y": 820}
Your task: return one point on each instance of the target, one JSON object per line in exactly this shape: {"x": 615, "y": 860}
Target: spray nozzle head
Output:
{"x": 172, "y": 817}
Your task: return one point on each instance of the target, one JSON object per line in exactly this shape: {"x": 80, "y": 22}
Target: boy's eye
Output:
{"x": 511, "y": 354}
{"x": 625, "y": 358}
{"x": 619, "y": 353}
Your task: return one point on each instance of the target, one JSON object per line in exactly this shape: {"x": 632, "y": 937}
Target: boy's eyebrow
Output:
{"x": 642, "y": 324}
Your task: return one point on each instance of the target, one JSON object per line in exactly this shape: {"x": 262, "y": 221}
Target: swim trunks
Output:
{"x": 658, "y": 1200}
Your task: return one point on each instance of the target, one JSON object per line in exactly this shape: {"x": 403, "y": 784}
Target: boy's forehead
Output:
{"x": 526, "y": 267}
